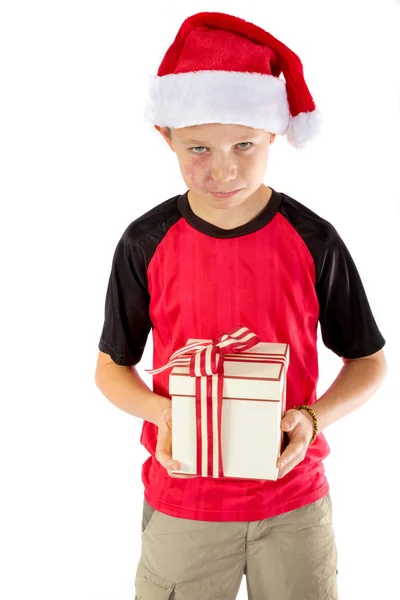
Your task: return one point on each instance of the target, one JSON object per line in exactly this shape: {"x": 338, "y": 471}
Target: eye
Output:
{"x": 197, "y": 147}
{"x": 245, "y": 143}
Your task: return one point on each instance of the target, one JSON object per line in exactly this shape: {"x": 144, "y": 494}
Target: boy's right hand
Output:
{"x": 164, "y": 444}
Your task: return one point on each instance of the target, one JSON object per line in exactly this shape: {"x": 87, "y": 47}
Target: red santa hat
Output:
{"x": 223, "y": 69}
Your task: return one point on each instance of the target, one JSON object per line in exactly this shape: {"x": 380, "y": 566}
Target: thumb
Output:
{"x": 289, "y": 421}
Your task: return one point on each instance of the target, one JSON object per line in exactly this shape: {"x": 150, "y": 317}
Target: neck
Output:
{"x": 229, "y": 218}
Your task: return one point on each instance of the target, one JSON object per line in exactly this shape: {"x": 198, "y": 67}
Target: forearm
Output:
{"x": 356, "y": 382}
{"x": 124, "y": 387}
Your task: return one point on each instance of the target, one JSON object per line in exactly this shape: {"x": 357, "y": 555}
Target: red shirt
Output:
{"x": 281, "y": 273}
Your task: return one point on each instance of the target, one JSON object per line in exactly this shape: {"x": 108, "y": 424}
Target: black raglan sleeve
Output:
{"x": 126, "y": 315}
{"x": 348, "y": 327}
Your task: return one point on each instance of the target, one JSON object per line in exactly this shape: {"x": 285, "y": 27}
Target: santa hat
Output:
{"x": 223, "y": 69}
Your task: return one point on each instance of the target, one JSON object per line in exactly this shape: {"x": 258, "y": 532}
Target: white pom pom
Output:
{"x": 303, "y": 127}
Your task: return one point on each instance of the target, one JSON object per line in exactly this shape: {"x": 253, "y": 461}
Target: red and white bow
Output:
{"x": 206, "y": 363}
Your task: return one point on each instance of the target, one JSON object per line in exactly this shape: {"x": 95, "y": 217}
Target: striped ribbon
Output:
{"x": 206, "y": 363}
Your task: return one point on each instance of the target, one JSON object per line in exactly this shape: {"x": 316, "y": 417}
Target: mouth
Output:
{"x": 225, "y": 194}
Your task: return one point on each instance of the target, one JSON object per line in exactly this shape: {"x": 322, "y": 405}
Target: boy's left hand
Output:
{"x": 299, "y": 426}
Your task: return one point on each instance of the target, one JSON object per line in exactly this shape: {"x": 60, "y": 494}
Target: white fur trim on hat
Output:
{"x": 194, "y": 98}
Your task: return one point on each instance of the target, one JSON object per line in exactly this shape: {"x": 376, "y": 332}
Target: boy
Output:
{"x": 229, "y": 252}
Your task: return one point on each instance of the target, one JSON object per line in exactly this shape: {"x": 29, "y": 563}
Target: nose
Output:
{"x": 223, "y": 169}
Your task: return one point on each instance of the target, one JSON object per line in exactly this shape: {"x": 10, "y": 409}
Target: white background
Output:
{"x": 78, "y": 164}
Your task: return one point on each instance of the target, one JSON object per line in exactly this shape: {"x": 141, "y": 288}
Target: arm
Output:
{"x": 349, "y": 329}
{"x": 124, "y": 387}
{"x": 356, "y": 382}
{"x": 125, "y": 330}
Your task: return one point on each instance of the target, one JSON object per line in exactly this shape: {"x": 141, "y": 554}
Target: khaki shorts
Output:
{"x": 291, "y": 556}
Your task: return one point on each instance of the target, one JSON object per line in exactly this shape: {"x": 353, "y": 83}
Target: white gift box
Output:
{"x": 253, "y": 404}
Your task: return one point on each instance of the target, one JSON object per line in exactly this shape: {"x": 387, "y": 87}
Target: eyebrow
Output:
{"x": 244, "y": 138}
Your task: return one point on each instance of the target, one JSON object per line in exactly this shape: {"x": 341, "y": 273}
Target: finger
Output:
{"x": 164, "y": 448}
{"x": 167, "y": 424}
{"x": 291, "y": 451}
{"x": 165, "y": 459}
{"x": 182, "y": 476}
{"x": 166, "y": 417}
{"x": 288, "y": 467}
{"x": 172, "y": 465}
{"x": 164, "y": 452}
{"x": 165, "y": 431}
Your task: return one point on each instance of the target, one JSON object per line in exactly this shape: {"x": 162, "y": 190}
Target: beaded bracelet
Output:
{"x": 314, "y": 416}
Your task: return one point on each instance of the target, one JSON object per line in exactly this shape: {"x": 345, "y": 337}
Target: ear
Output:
{"x": 164, "y": 133}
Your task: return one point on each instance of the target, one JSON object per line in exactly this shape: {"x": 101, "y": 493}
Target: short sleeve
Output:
{"x": 348, "y": 327}
{"x": 126, "y": 314}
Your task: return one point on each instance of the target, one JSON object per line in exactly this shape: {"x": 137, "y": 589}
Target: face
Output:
{"x": 218, "y": 157}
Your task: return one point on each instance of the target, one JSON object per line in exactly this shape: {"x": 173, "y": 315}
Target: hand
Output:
{"x": 164, "y": 444}
{"x": 299, "y": 426}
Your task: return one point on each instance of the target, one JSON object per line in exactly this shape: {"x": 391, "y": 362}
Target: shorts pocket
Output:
{"x": 149, "y": 586}
{"x": 148, "y": 515}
